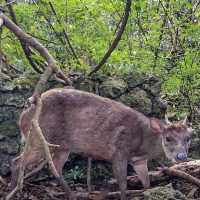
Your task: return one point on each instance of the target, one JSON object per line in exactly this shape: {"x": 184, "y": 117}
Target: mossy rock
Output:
{"x": 138, "y": 100}
{"x": 12, "y": 99}
{"x": 112, "y": 88}
{"x": 9, "y": 147}
{"x": 164, "y": 193}
{"x": 9, "y": 129}
{"x": 27, "y": 80}
{"x": 85, "y": 85}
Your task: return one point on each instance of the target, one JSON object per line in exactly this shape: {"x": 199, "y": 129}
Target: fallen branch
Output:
{"x": 175, "y": 171}
{"x": 155, "y": 178}
{"x": 178, "y": 170}
{"x": 101, "y": 195}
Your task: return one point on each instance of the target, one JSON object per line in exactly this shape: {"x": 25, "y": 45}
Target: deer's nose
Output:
{"x": 181, "y": 156}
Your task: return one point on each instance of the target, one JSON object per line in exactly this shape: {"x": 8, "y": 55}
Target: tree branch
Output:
{"x": 116, "y": 40}
{"x": 64, "y": 33}
{"x": 25, "y": 47}
{"x": 29, "y": 40}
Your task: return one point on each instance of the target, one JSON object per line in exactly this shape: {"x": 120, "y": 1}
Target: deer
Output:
{"x": 100, "y": 128}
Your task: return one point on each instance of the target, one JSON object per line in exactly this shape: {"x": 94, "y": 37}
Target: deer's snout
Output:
{"x": 181, "y": 156}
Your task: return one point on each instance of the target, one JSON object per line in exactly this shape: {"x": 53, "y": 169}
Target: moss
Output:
{"x": 26, "y": 80}
{"x": 9, "y": 129}
{"x": 112, "y": 88}
{"x": 166, "y": 192}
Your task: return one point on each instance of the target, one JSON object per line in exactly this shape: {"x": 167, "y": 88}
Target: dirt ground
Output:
{"x": 48, "y": 189}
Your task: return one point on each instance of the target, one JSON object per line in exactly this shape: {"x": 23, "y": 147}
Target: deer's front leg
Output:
{"x": 141, "y": 170}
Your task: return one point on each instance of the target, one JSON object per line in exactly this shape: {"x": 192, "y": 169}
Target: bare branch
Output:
{"x": 27, "y": 39}
{"x": 117, "y": 39}
{"x": 24, "y": 46}
{"x": 64, "y": 32}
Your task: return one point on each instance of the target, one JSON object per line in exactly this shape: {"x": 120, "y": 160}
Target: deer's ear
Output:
{"x": 157, "y": 126}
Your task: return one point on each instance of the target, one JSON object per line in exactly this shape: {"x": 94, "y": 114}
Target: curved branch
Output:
{"x": 25, "y": 48}
{"x": 117, "y": 39}
{"x": 29, "y": 40}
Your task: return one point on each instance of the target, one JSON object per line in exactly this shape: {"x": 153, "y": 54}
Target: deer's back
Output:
{"x": 84, "y": 122}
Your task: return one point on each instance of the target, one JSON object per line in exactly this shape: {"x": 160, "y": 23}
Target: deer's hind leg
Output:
{"x": 31, "y": 157}
{"x": 59, "y": 159}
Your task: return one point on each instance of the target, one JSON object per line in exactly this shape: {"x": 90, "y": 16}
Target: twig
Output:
{"x": 56, "y": 33}
{"x": 64, "y": 33}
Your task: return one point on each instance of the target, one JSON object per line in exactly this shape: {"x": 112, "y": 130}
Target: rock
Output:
{"x": 2, "y": 137}
{"x": 9, "y": 129}
{"x": 86, "y": 85}
{"x": 9, "y": 86}
{"x": 12, "y": 100}
{"x": 164, "y": 193}
{"x": 9, "y": 147}
{"x": 4, "y": 168}
{"x": 138, "y": 100}
{"x": 112, "y": 88}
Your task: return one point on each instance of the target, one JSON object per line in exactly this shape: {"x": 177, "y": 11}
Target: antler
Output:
{"x": 167, "y": 120}
{"x": 185, "y": 120}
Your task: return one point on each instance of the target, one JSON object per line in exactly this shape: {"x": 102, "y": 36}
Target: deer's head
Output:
{"x": 176, "y": 138}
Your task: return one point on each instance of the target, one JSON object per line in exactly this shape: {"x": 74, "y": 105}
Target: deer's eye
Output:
{"x": 187, "y": 139}
{"x": 169, "y": 139}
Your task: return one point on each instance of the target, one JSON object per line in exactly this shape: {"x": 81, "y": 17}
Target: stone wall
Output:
{"x": 12, "y": 99}
{"x": 13, "y": 95}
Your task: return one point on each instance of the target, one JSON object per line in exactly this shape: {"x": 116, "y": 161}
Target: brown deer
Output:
{"x": 100, "y": 128}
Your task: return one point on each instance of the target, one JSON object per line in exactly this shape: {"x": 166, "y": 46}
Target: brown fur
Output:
{"x": 98, "y": 127}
